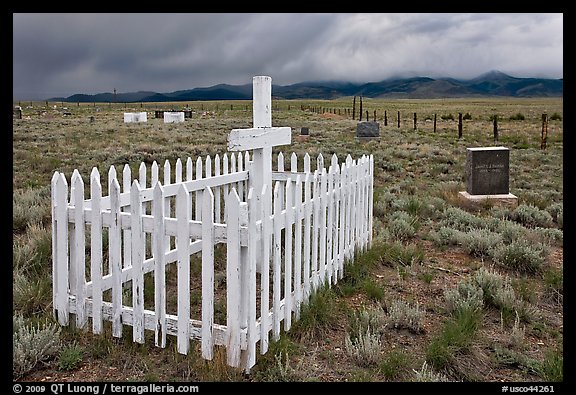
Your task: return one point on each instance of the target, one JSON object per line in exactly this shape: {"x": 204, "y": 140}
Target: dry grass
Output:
{"x": 418, "y": 172}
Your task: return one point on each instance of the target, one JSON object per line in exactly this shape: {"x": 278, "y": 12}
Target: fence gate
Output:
{"x": 250, "y": 244}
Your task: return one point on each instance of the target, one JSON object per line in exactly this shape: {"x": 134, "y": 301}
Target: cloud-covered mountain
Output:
{"x": 493, "y": 83}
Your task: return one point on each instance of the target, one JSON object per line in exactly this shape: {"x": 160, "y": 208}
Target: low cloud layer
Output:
{"x": 63, "y": 54}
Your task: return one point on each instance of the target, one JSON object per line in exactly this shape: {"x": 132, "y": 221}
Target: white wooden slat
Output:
{"x": 53, "y": 203}
{"x": 342, "y": 211}
{"x": 167, "y": 201}
{"x": 159, "y": 251}
{"x": 127, "y": 233}
{"x": 280, "y": 168}
{"x": 298, "y": 248}
{"x": 306, "y": 163}
{"x": 142, "y": 185}
{"x": 258, "y": 137}
{"x": 289, "y": 219}
{"x": 307, "y": 226}
{"x": 114, "y": 257}
{"x": 198, "y": 194}
{"x": 80, "y": 258}
{"x": 225, "y": 188}
{"x": 72, "y": 268}
{"x": 329, "y": 224}
{"x": 137, "y": 262}
{"x": 183, "y": 241}
{"x": 335, "y": 223}
{"x": 233, "y": 279}
{"x": 189, "y": 169}
{"x": 217, "y": 192}
{"x": 154, "y": 174}
{"x": 178, "y": 171}
{"x": 96, "y": 250}
{"x": 208, "y": 275}
{"x": 253, "y": 211}
{"x": 323, "y": 205}
{"x": 62, "y": 249}
{"x": 240, "y": 185}
{"x": 277, "y": 269}
{"x": 316, "y": 229}
{"x": 265, "y": 270}
{"x": 371, "y": 202}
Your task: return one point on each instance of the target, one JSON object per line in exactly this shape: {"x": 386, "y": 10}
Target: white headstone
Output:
{"x": 173, "y": 116}
{"x": 135, "y": 117}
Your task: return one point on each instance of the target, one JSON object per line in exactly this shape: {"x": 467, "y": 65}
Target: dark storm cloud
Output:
{"x": 63, "y": 54}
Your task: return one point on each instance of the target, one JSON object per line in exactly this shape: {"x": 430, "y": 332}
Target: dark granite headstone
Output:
{"x": 304, "y": 131}
{"x": 368, "y": 129}
{"x": 487, "y": 170}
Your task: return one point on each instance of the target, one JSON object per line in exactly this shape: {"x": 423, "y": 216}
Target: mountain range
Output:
{"x": 493, "y": 83}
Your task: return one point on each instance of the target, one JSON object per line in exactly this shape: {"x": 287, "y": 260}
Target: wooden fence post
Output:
{"x": 459, "y": 125}
{"x": 385, "y": 118}
{"x": 544, "y": 131}
{"x": 414, "y": 121}
{"x": 434, "y": 123}
{"x": 495, "y": 128}
{"x": 398, "y": 119}
{"x": 354, "y": 109}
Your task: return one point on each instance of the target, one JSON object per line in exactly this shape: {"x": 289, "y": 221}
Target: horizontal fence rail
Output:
{"x": 246, "y": 260}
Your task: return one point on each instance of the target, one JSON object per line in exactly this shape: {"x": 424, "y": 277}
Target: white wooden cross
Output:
{"x": 262, "y": 137}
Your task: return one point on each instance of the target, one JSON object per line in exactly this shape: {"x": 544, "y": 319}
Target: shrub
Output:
{"x": 556, "y": 210}
{"x": 366, "y": 319}
{"x": 456, "y": 218}
{"x": 445, "y": 236}
{"x": 466, "y": 116}
{"x": 520, "y": 255}
{"x": 555, "y": 117}
{"x": 447, "y": 117}
{"x": 70, "y": 356}
{"x": 31, "y": 296}
{"x": 392, "y": 365}
{"x": 32, "y": 252}
{"x": 480, "y": 242}
{"x": 31, "y": 345}
{"x": 402, "y": 315}
{"x": 467, "y": 296}
{"x": 365, "y": 349}
{"x": 531, "y": 216}
{"x": 510, "y": 231}
{"x": 402, "y": 226}
{"x": 426, "y": 374}
{"x": 490, "y": 282}
{"x": 30, "y": 206}
{"x": 517, "y": 117}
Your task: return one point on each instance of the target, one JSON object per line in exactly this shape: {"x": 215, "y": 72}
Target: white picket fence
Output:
{"x": 276, "y": 255}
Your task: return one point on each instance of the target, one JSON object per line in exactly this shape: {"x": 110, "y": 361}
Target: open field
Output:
{"x": 448, "y": 291}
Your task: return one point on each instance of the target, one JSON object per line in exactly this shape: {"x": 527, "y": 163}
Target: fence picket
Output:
{"x": 62, "y": 249}
{"x": 127, "y": 249}
{"x": 114, "y": 257}
{"x": 233, "y": 279}
{"x": 208, "y": 274}
{"x": 288, "y": 220}
{"x": 183, "y": 246}
{"x": 329, "y": 224}
{"x": 307, "y": 225}
{"x": 96, "y": 250}
{"x": 217, "y": 191}
{"x": 137, "y": 262}
{"x": 53, "y": 204}
{"x": 159, "y": 250}
{"x": 316, "y": 230}
{"x": 323, "y": 205}
{"x": 80, "y": 258}
{"x": 198, "y": 210}
{"x": 277, "y": 269}
{"x": 253, "y": 211}
{"x": 265, "y": 272}
{"x": 298, "y": 210}
{"x": 167, "y": 203}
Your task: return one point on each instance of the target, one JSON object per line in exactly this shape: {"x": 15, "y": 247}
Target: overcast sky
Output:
{"x": 63, "y": 54}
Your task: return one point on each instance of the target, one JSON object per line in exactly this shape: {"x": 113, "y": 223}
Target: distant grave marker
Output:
{"x": 368, "y": 130}
{"x": 130, "y": 117}
{"x": 488, "y": 175}
{"x": 173, "y": 116}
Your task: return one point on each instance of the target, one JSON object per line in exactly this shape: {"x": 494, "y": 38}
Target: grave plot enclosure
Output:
{"x": 220, "y": 250}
